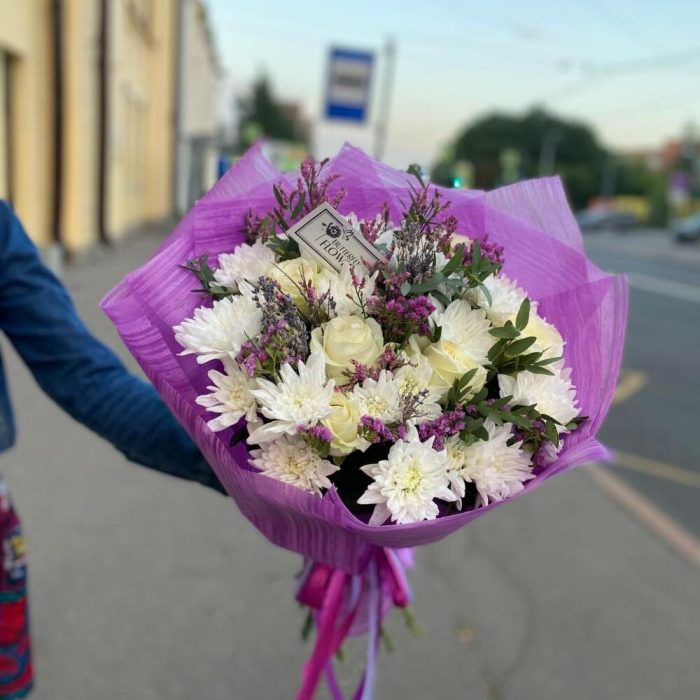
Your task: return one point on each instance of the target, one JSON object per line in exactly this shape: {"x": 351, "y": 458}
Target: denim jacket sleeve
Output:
{"x": 78, "y": 372}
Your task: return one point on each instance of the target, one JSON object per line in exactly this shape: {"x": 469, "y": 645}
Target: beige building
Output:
{"x": 88, "y": 112}
{"x": 197, "y": 85}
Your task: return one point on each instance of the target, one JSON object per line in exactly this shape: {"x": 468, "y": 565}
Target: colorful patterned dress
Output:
{"x": 16, "y": 676}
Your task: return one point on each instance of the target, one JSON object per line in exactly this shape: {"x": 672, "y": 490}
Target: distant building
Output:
{"x": 89, "y": 101}
{"x": 197, "y": 122}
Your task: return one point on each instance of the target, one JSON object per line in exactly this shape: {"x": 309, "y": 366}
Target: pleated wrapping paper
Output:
{"x": 543, "y": 252}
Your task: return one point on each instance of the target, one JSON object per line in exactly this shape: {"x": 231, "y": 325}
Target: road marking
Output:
{"x": 664, "y": 527}
{"x": 669, "y": 288}
{"x": 660, "y": 470}
{"x": 630, "y": 383}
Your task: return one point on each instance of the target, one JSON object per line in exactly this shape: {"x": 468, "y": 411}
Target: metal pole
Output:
{"x": 385, "y": 99}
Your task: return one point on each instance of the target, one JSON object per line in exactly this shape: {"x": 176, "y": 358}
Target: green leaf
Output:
{"x": 549, "y": 361}
{"x": 500, "y": 403}
{"x": 519, "y": 346}
{"x": 463, "y": 381}
{"x": 428, "y": 285}
{"x": 539, "y": 370}
{"x": 299, "y": 205}
{"x": 435, "y": 332}
{"x": 442, "y": 298}
{"x": 278, "y": 196}
{"x": 523, "y": 315}
{"x": 481, "y": 433}
{"x": 476, "y": 254}
{"x": 455, "y": 262}
{"x": 550, "y": 430}
{"x": 405, "y": 288}
{"x": 508, "y": 331}
{"x": 486, "y": 293}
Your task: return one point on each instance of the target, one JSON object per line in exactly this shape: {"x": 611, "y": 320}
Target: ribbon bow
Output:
{"x": 338, "y": 600}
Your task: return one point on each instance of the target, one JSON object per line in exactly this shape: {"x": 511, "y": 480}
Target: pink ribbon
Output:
{"x": 336, "y": 598}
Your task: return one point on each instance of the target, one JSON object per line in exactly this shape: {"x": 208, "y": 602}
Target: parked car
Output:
{"x": 598, "y": 219}
{"x": 686, "y": 230}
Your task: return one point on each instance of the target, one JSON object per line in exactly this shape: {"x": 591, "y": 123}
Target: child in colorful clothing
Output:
{"x": 90, "y": 383}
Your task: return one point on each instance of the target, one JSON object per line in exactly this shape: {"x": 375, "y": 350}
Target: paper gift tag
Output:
{"x": 324, "y": 235}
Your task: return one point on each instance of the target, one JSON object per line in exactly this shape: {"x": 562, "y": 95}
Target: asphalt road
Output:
{"x": 654, "y": 423}
{"x": 150, "y": 588}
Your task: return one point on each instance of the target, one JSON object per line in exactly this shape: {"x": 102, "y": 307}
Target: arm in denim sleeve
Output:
{"x": 78, "y": 372}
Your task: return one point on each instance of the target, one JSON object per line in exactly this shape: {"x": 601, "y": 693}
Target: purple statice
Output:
{"x": 283, "y": 338}
{"x": 373, "y": 228}
{"x": 318, "y": 432}
{"x": 401, "y": 316}
{"x": 423, "y": 233}
{"x": 449, "y": 228}
{"x": 442, "y": 427}
{"x": 293, "y": 204}
{"x": 320, "y": 306}
{"x": 388, "y": 360}
{"x": 256, "y": 228}
{"x": 317, "y": 436}
{"x": 375, "y": 430}
{"x": 490, "y": 250}
{"x": 317, "y": 187}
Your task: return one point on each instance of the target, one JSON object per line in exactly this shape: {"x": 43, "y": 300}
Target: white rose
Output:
{"x": 290, "y": 274}
{"x": 450, "y": 362}
{"x": 343, "y": 423}
{"x": 347, "y": 338}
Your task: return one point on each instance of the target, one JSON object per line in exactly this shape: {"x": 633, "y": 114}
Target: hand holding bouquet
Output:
{"x": 369, "y": 381}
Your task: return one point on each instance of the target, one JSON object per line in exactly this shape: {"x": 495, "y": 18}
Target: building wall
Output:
{"x": 79, "y": 220}
{"x": 26, "y": 40}
{"x": 141, "y": 104}
{"x": 197, "y": 119}
{"x": 140, "y": 136}
{"x": 4, "y": 127}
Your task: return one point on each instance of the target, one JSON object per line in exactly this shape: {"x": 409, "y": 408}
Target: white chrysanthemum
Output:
{"x": 343, "y": 291}
{"x": 548, "y": 339}
{"x": 417, "y": 374}
{"x": 379, "y": 399}
{"x": 229, "y": 396}
{"x": 295, "y": 462}
{"x": 299, "y": 399}
{"x": 498, "y": 470}
{"x": 467, "y": 327}
{"x": 554, "y": 395}
{"x": 220, "y": 331}
{"x": 247, "y": 262}
{"x": 407, "y": 482}
{"x": 506, "y": 298}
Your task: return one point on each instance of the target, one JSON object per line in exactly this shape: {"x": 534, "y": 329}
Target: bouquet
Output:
{"x": 367, "y": 381}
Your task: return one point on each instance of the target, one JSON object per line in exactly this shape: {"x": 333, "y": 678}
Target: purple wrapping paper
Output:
{"x": 544, "y": 253}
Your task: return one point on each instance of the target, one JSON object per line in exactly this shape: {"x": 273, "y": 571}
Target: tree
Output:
{"x": 542, "y": 140}
{"x": 262, "y": 115}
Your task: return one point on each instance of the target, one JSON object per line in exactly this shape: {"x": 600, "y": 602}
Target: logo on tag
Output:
{"x": 324, "y": 235}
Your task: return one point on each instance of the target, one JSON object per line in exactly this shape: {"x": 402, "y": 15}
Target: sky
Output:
{"x": 630, "y": 68}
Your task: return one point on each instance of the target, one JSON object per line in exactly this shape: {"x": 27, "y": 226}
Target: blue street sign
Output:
{"x": 349, "y": 83}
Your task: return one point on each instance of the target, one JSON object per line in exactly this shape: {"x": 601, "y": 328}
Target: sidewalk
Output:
{"x": 148, "y": 588}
